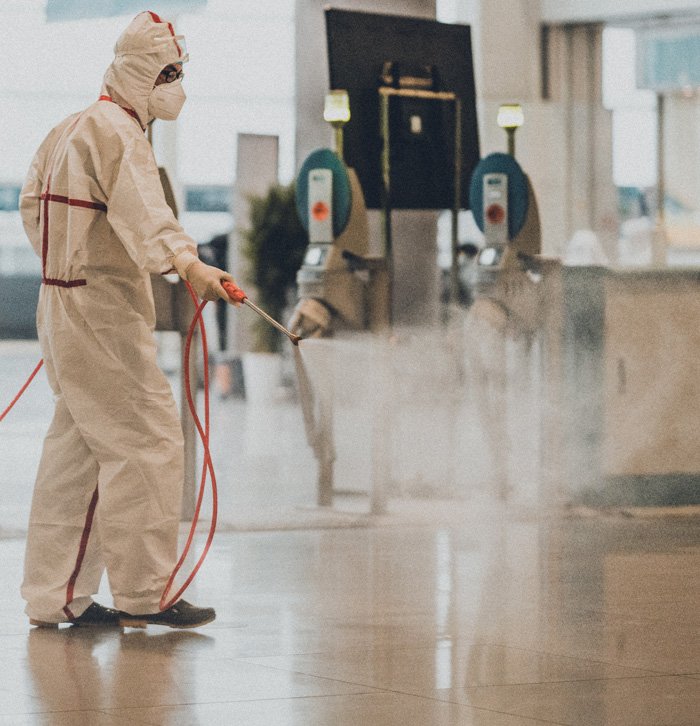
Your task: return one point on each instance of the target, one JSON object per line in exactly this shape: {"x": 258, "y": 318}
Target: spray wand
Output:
{"x": 237, "y": 295}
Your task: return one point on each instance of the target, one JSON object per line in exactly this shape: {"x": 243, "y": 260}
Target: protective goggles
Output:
{"x": 171, "y": 73}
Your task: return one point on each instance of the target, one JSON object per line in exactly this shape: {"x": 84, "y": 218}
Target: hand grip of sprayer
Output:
{"x": 233, "y": 291}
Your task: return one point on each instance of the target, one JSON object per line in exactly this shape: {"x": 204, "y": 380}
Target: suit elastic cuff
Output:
{"x": 183, "y": 261}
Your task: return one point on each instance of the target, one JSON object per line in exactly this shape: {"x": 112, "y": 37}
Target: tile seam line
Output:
{"x": 311, "y": 675}
{"x": 416, "y": 695}
{"x": 130, "y": 719}
{"x": 475, "y": 708}
{"x": 469, "y": 688}
{"x": 519, "y": 684}
{"x": 643, "y": 672}
{"x": 72, "y": 710}
{"x": 114, "y": 712}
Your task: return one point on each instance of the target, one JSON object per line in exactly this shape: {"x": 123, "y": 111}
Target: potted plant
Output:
{"x": 274, "y": 245}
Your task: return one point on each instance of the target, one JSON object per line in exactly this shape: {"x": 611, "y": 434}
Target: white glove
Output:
{"x": 205, "y": 279}
{"x": 310, "y": 319}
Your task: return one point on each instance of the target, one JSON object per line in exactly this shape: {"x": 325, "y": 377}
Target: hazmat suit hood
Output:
{"x": 142, "y": 51}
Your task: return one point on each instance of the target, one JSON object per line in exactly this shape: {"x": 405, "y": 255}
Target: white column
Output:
{"x": 565, "y": 145}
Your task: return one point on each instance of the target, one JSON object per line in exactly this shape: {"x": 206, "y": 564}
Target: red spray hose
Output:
{"x": 237, "y": 296}
{"x": 207, "y": 464}
{"x": 22, "y": 390}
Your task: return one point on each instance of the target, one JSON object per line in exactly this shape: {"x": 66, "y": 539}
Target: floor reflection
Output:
{"x": 475, "y": 615}
{"x": 81, "y": 668}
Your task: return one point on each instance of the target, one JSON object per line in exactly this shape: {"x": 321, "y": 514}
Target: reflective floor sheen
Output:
{"x": 491, "y": 617}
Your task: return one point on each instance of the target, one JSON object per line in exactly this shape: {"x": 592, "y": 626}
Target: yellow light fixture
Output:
{"x": 336, "y": 111}
{"x": 337, "y": 107}
{"x": 510, "y": 117}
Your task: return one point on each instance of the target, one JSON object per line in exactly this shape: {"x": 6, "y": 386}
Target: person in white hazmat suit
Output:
{"x": 109, "y": 486}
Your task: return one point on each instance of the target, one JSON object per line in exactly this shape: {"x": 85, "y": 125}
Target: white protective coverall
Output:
{"x": 109, "y": 486}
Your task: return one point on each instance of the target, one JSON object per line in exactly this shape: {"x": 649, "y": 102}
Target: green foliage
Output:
{"x": 274, "y": 244}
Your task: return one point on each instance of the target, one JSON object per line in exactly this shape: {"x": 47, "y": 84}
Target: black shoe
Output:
{"x": 180, "y": 615}
{"x": 98, "y": 615}
{"x": 94, "y": 615}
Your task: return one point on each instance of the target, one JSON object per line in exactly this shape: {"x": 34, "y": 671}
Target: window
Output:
{"x": 9, "y": 198}
{"x": 214, "y": 198}
{"x": 634, "y": 113}
{"x": 649, "y": 78}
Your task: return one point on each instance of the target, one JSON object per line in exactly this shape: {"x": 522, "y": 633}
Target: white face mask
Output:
{"x": 166, "y": 100}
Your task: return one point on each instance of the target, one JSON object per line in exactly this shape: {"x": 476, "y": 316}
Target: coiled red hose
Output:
{"x": 207, "y": 464}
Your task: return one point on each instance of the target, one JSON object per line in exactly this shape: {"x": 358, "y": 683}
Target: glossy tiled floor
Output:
{"x": 477, "y": 615}
{"x": 440, "y": 613}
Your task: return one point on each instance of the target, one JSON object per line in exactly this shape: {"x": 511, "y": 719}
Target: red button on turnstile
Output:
{"x": 495, "y": 213}
{"x": 320, "y": 211}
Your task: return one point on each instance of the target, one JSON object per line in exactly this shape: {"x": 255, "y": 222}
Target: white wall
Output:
{"x": 240, "y": 79}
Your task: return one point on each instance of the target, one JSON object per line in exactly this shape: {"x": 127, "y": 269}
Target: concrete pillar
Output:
{"x": 565, "y": 144}
{"x": 506, "y": 36}
{"x": 575, "y": 74}
{"x": 682, "y": 157}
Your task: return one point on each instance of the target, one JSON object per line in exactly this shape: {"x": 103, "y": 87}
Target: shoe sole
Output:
{"x": 136, "y": 622}
{"x": 42, "y": 624}
{"x": 54, "y": 626}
